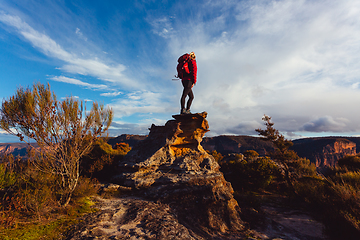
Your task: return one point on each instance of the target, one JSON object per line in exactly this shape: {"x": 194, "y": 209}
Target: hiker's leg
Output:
{"x": 191, "y": 98}
{"x": 184, "y": 94}
{"x": 187, "y": 89}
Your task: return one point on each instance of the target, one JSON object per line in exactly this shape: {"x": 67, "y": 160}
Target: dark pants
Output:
{"x": 187, "y": 92}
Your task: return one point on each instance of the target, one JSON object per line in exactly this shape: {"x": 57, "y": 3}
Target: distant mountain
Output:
{"x": 222, "y": 144}
{"x": 323, "y": 151}
{"x": 132, "y": 140}
{"x": 236, "y": 144}
{"x": 17, "y": 149}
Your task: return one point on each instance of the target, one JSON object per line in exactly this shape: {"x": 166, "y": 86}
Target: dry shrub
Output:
{"x": 217, "y": 156}
{"x": 350, "y": 162}
{"x": 29, "y": 194}
{"x": 337, "y": 198}
{"x": 312, "y": 189}
{"x": 102, "y": 161}
{"x": 302, "y": 167}
{"x": 86, "y": 187}
{"x": 250, "y": 174}
{"x": 251, "y": 155}
{"x": 348, "y": 178}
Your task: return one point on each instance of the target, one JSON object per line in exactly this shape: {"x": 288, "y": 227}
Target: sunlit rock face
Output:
{"x": 325, "y": 151}
{"x": 170, "y": 166}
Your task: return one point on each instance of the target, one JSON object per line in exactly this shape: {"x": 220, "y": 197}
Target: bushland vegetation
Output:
{"x": 29, "y": 207}
{"x": 101, "y": 163}
{"x": 64, "y": 131}
{"x": 42, "y": 194}
{"x": 334, "y": 195}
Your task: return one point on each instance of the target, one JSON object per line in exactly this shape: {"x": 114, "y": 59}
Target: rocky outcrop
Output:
{"x": 324, "y": 152}
{"x": 171, "y": 167}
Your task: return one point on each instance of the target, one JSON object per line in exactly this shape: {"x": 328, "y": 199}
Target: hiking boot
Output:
{"x": 187, "y": 111}
{"x": 183, "y": 111}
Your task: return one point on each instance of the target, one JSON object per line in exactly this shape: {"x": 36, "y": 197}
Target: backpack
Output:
{"x": 183, "y": 66}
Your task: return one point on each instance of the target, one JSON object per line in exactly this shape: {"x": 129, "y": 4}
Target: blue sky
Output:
{"x": 296, "y": 61}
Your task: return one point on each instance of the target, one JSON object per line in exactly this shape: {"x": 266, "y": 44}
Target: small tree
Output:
{"x": 281, "y": 152}
{"x": 63, "y": 130}
{"x": 281, "y": 144}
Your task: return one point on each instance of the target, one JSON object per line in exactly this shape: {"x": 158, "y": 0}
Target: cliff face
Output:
{"x": 130, "y": 139}
{"x": 16, "y": 149}
{"x": 171, "y": 167}
{"x": 324, "y": 151}
{"x": 236, "y": 144}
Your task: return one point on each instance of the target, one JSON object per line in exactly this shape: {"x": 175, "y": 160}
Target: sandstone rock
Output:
{"x": 324, "y": 152}
{"x": 170, "y": 166}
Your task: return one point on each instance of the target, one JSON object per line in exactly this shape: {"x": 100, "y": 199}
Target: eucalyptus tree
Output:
{"x": 64, "y": 131}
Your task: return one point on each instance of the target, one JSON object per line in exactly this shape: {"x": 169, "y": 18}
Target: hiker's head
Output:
{"x": 192, "y": 56}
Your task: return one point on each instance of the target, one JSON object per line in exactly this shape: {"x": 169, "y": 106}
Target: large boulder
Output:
{"x": 170, "y": 166}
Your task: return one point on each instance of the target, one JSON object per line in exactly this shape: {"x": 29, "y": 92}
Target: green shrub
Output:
{"x": 217, "y": 156}
{"x": 102, "y": 161}
{"x": 350, "y": 178}
{"x": 350, "y": 162}
{"x": 251, "y": 155}
{"x": 250, "y": 175}
{"x": 303, "y": 167}
{"x": 86, "y": 187}
{"x": 312, "y": 189}
{"x": 263, "y": 171}
{"x": 7, "y": 177}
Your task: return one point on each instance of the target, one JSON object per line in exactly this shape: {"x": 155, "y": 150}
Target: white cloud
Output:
{"x": 74, "y": 97}
{"x": 292, "y": 60}
{"x": 94, "y": 67}
{"x": 118, "y": 128}
{"x": 297, "y": 61}
{"x": 162, "y": 26}
{"x": 142, "y": 102}
{"x": 78, "y": 82}
{"x": 80, "y": 34}
{"x": 111, "y": 94}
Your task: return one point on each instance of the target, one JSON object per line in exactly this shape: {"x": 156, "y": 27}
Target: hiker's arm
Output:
{"x": 193, "y": 70}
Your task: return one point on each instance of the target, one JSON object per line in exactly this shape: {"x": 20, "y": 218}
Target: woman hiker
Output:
{"x": 188, "y": 81}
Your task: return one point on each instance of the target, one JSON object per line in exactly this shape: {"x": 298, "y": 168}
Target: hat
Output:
{"x": 192, "y": 55}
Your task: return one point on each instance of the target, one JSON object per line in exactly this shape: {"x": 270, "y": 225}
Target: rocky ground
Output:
{"x": 131, "y": 217}
{"x": 277, "y": 217}
{"x": 171, "y": 188}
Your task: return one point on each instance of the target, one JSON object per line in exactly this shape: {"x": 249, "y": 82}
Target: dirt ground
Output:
{"x": 135, "y": 218}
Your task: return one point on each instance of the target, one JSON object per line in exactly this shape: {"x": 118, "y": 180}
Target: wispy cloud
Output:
{"x": 80, "y": 34}
{"x": 79, "y": 82}
{"x": 74, "y": 97}
{"x": 297, "y": 61}
{"x": 111, "y": 94}
{"x": 113, "y": 73}
{"x": 142, "y": 102}
{"x": 292, "y": 60}
{"x": 162, "y": 26}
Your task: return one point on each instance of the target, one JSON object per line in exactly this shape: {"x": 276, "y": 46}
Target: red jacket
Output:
{"x": 193, "y": 72}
